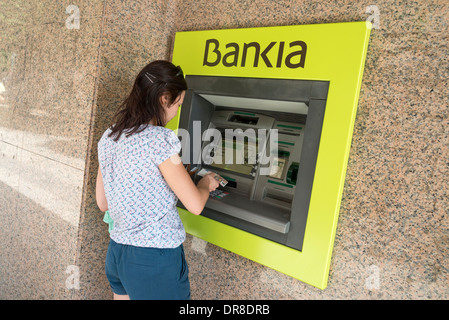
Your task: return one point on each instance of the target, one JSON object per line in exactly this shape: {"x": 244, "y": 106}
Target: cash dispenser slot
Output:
{"x": 254, "y": 212}
{"x": 281, "y": 199}
{"x": 270, "y": 176}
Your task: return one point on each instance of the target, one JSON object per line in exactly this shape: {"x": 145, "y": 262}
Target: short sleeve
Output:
{"x": 164, "y": 145}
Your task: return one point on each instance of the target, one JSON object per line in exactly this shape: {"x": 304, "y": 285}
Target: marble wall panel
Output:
{"x": 47, "y": 76}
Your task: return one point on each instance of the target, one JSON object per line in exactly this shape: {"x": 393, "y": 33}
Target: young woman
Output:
{"x": 140, "y": 178}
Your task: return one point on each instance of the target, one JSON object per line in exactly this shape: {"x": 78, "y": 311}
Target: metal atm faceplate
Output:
{"x": 259, "y": 193}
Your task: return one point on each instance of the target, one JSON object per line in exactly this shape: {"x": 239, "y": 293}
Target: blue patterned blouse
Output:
{"x": 141, "y": 204}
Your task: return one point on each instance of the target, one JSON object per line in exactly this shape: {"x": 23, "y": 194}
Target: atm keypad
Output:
{"x": 217, "y": 193}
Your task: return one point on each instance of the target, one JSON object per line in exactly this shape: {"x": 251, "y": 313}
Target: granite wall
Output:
{"x": 60, "y": 86}
{"x": 48, "y": 71}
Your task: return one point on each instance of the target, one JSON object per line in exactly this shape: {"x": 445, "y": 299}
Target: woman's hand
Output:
{"x": 208, "y": 182}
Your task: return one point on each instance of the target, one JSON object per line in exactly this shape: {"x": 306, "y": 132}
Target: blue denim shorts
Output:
{"x": 147, "y": 273}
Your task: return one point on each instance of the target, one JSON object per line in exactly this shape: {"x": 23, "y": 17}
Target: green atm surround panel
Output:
{"x": 333, "y": 54}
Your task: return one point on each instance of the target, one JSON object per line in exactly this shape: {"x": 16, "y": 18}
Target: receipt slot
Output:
{"x": 272, "y": 110}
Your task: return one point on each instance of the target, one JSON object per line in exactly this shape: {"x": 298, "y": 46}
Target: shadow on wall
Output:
{"x": 33, "y": 265}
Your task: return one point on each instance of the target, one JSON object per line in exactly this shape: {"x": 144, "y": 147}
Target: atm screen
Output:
{"x": 236, "y": 153}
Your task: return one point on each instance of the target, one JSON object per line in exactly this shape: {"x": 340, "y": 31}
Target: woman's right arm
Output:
{"x": 192, "y": 196}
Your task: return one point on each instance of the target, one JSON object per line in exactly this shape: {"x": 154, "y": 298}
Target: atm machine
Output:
{"x": 300, "y": 85}
{"x": 262, "y": 136}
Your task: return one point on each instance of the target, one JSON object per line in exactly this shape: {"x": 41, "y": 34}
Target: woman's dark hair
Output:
{"x": 144, "y": 102}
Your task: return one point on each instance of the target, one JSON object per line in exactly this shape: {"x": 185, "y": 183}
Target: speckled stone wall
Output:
{"x": 61, "y": 87}
{"x": 47, "y": 88}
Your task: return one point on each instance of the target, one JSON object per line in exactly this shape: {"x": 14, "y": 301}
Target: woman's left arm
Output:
{"x": 100, "y": 195}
